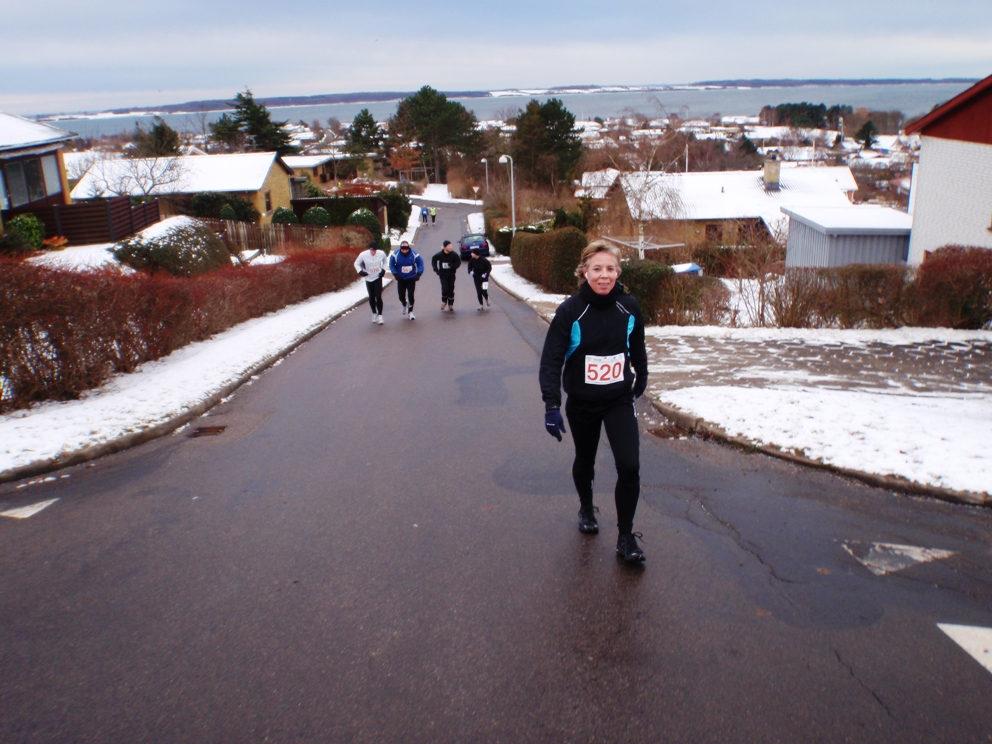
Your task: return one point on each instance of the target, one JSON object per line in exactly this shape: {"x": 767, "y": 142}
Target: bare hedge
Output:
{"x": 63, "y": 333}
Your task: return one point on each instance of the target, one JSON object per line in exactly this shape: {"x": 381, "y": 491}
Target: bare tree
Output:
{"x": 136, "y": 177}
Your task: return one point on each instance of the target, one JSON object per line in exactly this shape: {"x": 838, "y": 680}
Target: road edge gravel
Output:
{"x": 700, "y": 427}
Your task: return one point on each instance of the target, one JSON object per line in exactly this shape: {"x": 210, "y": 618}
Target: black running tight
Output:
{"x": 586, "y": 419}
{"x": 375, "y": 295}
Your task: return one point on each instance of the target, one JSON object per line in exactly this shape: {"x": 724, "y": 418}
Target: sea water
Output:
{"x": 910, "y": 98}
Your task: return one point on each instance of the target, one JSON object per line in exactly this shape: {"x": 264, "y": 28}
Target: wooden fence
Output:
{"x": 279, "y": 239}
{"x": 96, "y": 221}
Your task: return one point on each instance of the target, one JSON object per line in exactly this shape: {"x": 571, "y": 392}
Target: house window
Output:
{"x": 4, "y": 201}
{"x": 25, "y": 182}
{"x": 53, "y": 181}
{"x": 714, "y": 233}
{"x": 268, "y": 201}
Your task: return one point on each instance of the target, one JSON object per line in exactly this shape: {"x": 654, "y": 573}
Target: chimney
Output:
{"x": 773, "y": 169}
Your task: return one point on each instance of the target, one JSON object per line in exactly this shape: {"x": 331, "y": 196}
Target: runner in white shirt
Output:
{"x": 372, "y": 265}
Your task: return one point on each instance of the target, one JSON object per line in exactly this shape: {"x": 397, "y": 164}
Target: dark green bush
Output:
{"x": 189, "y": 250}
{"x": 549, "y": 259}
{"x": 365, "y": 218}
{"x": 227, "y": 213}
{"x": 29, "y": 228}
{"x": 13, "y": 244}
{"x": 398, "y": 208}
{"x": 209, "y": 204}
{"x": 283, "y": 215}
{"x": 316, "y": 216}
{"x": 642, "y": 279}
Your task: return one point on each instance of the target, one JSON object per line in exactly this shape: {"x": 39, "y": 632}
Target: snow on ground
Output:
{"x": 438, "y": 192}
{"x": 476, "y": 223}
{"x": 161, "y": 390}
{"x": 935, "y": 439}
{"x": 166, "y": 226}
{"x": 395, "y": 237}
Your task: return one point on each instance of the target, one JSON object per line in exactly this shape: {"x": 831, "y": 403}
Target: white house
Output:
{"x": 951, "y": 195}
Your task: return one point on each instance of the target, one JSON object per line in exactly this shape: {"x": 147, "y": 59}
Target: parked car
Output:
{"x": 478, "y": 242}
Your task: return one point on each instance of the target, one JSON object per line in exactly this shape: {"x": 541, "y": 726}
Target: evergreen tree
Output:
{"x": 365, "y": 135}
{"x": 866, "y": 135}
{"x": 441, "y": 127}
{"x": 158, "y": 142}
{"x": 251, "y": 127}
{"x": 546, "y": 145}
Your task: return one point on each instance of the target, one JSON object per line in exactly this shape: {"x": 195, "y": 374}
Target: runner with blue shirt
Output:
{"x": 406, "y": 266}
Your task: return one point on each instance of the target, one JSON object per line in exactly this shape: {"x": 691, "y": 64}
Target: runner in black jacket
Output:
{"x": 479, "y": 269}
{"x": 597, "y": 336}
{"x": 445, "y": 264}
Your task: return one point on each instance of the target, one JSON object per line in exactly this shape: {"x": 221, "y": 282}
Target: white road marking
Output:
{"x": 23, "y": 512}
{"x": 886, "y": 558}
{"x": 976, "y": 641}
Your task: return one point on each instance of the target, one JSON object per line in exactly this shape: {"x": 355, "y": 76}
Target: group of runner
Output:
{"x": 406, "y": 266}
{"x": 594, "y": 348}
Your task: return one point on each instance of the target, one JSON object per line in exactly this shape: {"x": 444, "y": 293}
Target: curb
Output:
{"x": 703, "y": 428}
{"x": 127, "y": 441}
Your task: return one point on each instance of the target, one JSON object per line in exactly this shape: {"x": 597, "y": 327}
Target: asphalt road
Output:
{"x": 381, "y": 546}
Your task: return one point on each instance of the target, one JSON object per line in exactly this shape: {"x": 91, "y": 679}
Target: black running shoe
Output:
{"x": 587, "y": 520}
{"x": 627, "y": 547}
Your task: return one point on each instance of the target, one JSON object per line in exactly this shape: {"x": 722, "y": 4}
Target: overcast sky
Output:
{"x": 83, "y": 55}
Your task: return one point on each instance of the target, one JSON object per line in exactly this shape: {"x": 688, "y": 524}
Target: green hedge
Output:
{"x": 549, "y": 259}
{"x": 365, "y": 218}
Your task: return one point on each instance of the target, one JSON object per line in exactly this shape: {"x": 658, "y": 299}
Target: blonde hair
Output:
{"x": 596, "y": 246}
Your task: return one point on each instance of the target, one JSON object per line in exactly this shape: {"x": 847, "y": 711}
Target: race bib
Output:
{"x": 406, "y": 269}
{"x": 604, "y": 370}
{"x": 485, "y": 285}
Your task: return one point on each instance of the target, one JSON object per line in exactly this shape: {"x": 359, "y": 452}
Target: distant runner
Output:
{"x": 406, "y": 265}
{"x": 433, "y": 215}
{"x": 445, "y": 264}
{"x": 372, "y": 265}
{"x": 423, "y": 214}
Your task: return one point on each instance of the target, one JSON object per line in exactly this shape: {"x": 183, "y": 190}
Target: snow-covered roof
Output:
{"x": 734, "y": 195}
{"x": 596, "y": 184}
{"x": 864, "y": 219}
{"x": 185, "y": 175}
{"x": 17, "y": 133}
{"x": 306, "y": 161}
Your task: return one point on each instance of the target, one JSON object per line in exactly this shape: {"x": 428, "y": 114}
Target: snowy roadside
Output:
{"x": 438, "y": 192}
{"x": 937, "y": 440}
{"x": 161, "y": 395}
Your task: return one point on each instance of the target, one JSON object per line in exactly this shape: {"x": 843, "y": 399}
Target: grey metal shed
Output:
{"x": 836, "y": 236}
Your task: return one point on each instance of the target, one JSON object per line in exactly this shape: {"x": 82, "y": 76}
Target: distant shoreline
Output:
{"x": 206, "y": 106}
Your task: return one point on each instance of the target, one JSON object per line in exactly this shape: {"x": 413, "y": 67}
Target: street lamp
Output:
{"x": 486, "y": 162}
{"x": 504, "y": 159}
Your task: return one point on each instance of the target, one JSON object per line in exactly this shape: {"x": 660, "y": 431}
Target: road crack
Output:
{"x": 856, "y": 678}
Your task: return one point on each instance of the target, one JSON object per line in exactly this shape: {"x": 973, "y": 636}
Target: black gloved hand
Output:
{"x": 363, "y": 272}
{"x": 639, "y": 387}
{"x": 554, "y": 423}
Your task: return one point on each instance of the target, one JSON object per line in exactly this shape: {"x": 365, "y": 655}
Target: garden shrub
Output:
{"x": 642, "y": 279}
{"x": 688, "y": 299}
{"x": 549, "y": 259}
{"x": 797, "y": 299}
{"x": 284, "y": 215}
{"x": 29, "y": 228}
{"x": 184, "y": 251}
{"x": 227, "y": 213}
{"x": 66, "y": 332}
{"x": 209, "y": 203}
{"x": 953, "y": 288}
{"x": 13, "y": 244}
{"x": 316, "y": 216}
{"x": 865, "y": 295}
{"x": 365, "y": 218}
{"x": 398, "y": 208}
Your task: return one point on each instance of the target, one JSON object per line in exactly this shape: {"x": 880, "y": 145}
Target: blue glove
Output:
{"x": 553, "y": 423}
